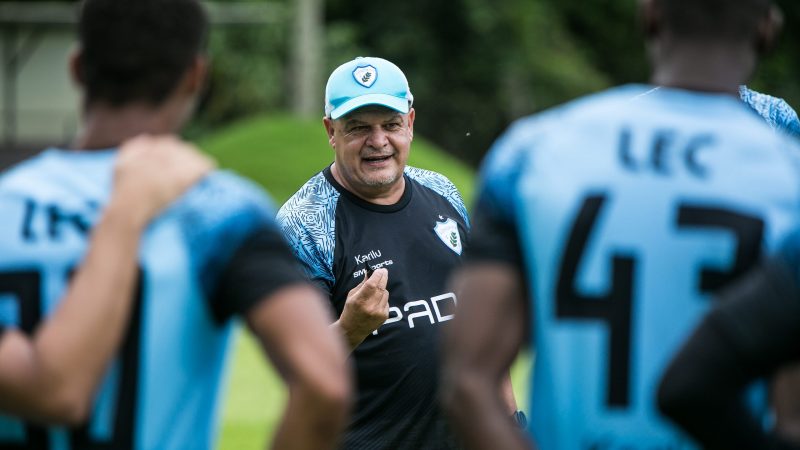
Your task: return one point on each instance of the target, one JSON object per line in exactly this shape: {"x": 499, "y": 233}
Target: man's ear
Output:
{"x": 410, "y": 118}
{"x": 650, "y": 18}
{"x": 76, "y": 67}
{"x": 769, "y": 28}
{"x": 197, "y": 75}
{"x": 328, "y": 122}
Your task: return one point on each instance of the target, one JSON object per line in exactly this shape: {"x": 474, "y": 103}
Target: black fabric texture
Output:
{"x": 263, "y": 264}
{"x": 752, "y": 332}
{"x": 397, "y": 367}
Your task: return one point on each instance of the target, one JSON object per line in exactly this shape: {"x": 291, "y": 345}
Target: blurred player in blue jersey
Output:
{"x": 213, "y": 255}
{"x": 778, "y": 114}
{"x": 603, "y": 227}
{"x": 52, "y": 376}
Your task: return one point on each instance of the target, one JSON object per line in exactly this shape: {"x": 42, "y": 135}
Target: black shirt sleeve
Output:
{"x": 492, "y": 238}
{"x": 263, "y": 264}
{"x": 753, "y": 331}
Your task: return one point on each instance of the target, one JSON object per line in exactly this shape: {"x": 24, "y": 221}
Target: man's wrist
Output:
{"x": 352, "y": 338}
{"x": 129, "y": 212}
{"x": 125, "y": 215}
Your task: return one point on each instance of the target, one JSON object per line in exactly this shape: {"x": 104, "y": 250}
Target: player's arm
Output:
{"x": 752, "y": 332}
{"x": 506, "y": 387}
{"x": 52, "y": 375}
{"x": 785, "y": 399}
{"x": 480, "y": 347}
{"x": 291, "y": 319}
{"x": 489, "y": 329}
{"x": 507, "y": 394}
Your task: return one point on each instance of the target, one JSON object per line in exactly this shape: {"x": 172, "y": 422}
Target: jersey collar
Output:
{"x": 404, "y": 199}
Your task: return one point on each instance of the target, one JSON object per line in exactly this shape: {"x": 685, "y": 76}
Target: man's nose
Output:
{"x": 377, "y": 138}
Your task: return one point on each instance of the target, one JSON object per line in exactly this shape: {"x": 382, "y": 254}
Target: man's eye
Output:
{"x": 393, "y": 126}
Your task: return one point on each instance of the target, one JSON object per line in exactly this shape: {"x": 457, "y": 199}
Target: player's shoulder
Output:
{"x": 766, "y": 105}
{"x": 430, "y": 179}
{"x": 317, "y": 197}
{"x": 308, "y": 222}
{"x": 227, "y": 186}
{"x": 535, "y": 128}
{"x": 223, "y": 196}
{"x": 60, "y": 175}
{"x": 776, "y": 111}
{"x": 22, "y": 176}
{"x": 21, "y": 171}
{"x": 439, "y": 184}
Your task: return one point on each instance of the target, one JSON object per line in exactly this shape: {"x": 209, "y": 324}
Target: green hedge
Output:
{"x": 281, "y": 153}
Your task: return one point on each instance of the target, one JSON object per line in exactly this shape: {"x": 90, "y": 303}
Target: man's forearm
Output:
{"x": 507, "y": 394}
{"x": 482, "y": 419}
{"x": 310, "y": 422}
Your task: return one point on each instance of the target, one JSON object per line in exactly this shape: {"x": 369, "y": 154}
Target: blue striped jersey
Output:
{"x": 778, "y": 114}
{"x": 162, "y": 391}
{"x": 625, "y": 211}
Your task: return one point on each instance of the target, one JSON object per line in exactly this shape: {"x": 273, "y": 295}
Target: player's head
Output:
{"x": 370, "y": 122}
{"x": 708, "y": 45}
{"x": 755, "y": 22}
{"x": 143, "y": 51}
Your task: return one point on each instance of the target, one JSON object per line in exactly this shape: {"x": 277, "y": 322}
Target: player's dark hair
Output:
{"x": 724, "y": 19}
{"x": 137, "y": 50}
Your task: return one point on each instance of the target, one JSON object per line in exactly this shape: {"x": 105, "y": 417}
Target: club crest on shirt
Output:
{"x": 366, "y": 75}
{"x": 448, "y": 233}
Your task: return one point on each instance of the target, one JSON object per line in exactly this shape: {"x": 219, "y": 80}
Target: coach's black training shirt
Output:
{"x": 419, "y": 240}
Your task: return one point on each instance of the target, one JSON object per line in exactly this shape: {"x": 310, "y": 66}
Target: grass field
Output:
{"x": 281, "y": 153}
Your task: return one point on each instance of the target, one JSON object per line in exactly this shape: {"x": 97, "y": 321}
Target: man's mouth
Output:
{"x": 376, "y": 158}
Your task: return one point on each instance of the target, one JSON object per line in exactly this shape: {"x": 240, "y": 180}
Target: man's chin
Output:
{"x": 380, "y": 180}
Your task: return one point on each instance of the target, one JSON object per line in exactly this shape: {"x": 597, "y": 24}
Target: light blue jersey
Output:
{"x": 627, "y": 209}
{"x": 163, "y": 389}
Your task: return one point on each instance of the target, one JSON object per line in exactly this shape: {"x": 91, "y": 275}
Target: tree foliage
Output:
{"x": 473, "y": 65}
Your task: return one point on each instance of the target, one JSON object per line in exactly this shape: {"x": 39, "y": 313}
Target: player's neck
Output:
{"x": 105, "y": 126}
{"x": 705, "y": 67}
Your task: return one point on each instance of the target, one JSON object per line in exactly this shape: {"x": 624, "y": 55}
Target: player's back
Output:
{"x": 633, "y": 207}
{"x": 162, "y": 389}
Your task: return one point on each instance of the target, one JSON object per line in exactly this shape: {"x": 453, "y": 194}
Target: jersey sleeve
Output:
{"x": 750, "y": 334}
{"x": 238, "y": 253}
{"x": 778, "y": 114}
{"x": 495, "y": 235}
{"x": 443, "y": 186}
{"x": 262, "y": 265}
{"x": 307, "y": 221}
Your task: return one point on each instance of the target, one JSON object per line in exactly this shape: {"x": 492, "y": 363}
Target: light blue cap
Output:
{"x": 366, "y": 81}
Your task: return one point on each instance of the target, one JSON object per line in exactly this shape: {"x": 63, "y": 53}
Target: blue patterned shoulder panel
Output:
{"x": 216, "y": 216}
{"x": 775, "y": 111}
{"x": 441, "y": 185}
{"x": 307, "y": 220}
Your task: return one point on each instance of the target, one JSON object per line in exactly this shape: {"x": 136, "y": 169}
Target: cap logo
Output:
{"x": 365, "y": 76}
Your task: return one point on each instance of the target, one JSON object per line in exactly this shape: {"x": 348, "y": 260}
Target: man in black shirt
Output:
{"x": 369, "y": 212}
